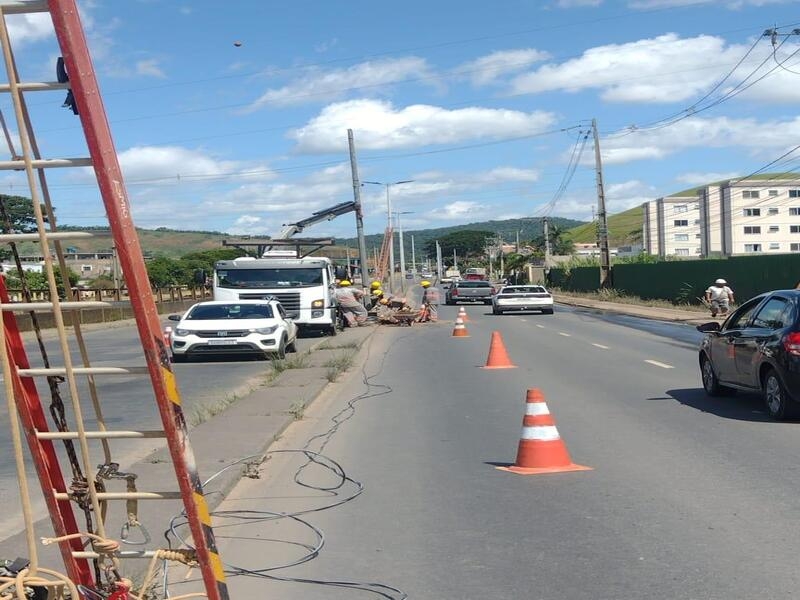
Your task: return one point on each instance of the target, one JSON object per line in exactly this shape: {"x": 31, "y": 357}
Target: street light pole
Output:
{"x": 389, "y": 229}
{"x": 402, "y": 245}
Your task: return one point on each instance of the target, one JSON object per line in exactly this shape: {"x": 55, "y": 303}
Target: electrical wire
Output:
{"x": 312, "y": 550}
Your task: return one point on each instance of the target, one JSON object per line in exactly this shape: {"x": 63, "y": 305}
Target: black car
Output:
{"x": 757, "y": 348}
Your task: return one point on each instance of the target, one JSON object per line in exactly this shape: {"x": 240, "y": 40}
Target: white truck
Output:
{"x": 304, "y": 286}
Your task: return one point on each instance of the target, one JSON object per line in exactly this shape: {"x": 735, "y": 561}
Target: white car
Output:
{"x": 522, "y": 297}
{"x": 243, "y": 327}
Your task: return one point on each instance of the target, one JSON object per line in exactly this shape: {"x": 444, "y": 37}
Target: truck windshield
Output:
{"x": 269, "y": 278}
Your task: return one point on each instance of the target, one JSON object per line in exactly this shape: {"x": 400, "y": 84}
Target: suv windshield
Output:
{"x": 212, "y": 312}
{"x": 269, "y": 278}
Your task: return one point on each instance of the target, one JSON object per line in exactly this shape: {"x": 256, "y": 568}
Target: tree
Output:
{"x": 466, "y": 243}
{"x": 164, "y": 272}
{"x": 204, "y": 261}
{"x": 16, "y": 216}
{"x": 38, "y": 281}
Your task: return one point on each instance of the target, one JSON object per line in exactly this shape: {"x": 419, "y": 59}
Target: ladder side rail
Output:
{"x": 72, "y": 42}
{"x": 43, "y": 452}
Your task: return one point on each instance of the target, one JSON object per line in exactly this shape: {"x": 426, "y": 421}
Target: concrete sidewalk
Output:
{"x": 675, "y": 315}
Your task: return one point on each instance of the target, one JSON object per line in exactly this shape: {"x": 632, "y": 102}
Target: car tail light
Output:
{"x": 454, "y": 292}
{"x": 792, "y": 343}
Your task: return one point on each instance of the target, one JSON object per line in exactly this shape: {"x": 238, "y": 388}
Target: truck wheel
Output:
{"x": 180, "y": 358}
{"x": 332, "y": 330}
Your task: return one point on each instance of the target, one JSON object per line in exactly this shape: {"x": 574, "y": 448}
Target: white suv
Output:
{"x": 243, "y": 327}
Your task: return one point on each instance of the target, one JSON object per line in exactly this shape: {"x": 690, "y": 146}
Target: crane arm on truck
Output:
{"x": 327, "y": 214}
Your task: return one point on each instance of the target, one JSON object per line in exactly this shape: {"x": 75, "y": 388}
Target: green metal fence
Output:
{"x": 684, "y": 281}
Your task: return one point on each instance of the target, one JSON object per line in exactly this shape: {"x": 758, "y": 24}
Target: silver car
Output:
{"x": 522, "y": 297}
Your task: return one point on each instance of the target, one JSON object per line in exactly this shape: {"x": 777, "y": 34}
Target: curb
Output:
{"x": 645, "y": 312}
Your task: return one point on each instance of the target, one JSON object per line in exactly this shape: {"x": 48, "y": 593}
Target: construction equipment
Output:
{"x": 87, "y": 490}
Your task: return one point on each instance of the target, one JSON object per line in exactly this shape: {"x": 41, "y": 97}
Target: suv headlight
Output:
{"x": 265, "y": 330}
{"x": 182, "y": 332}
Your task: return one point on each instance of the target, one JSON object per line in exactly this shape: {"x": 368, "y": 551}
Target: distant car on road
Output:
{"x": 245, "y": 327}
{"x": 757, "y": 349}
{"x": 469, "y": 291}
{"x": 522, "y": 297}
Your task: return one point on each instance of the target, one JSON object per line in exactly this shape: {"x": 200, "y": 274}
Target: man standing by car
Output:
{"x": 430, "y": 300}
{"x": 350, "y": 301}
{"x": 720, "y": 297}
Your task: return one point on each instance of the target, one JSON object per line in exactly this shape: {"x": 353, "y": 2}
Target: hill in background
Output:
{"x": 623, "y": 229}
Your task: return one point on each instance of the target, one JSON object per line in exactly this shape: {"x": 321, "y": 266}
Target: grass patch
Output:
{"x": 611, "y": 295}
{"x": 338, "y": 365}
{"x": 297, "y": 409}
{"x": 201, "y": 414}
{"x": 342, "y": 346}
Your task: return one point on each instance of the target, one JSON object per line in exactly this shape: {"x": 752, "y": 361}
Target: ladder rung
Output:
{"x": 54, "y": 371}
{"x": 36, "y": 86}
{"x": 128, "y": 496}
{"x": 20, "y": 7}
{"x": 48, "y": 306}
{"x": 99, "y": 435}
{"x": 45, "y": 163}
{"x": 54, "y": 235}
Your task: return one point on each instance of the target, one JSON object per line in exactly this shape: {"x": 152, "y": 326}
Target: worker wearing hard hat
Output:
{"x": 349, "y": 299}
{"x": 719, "y": 296}
{"x": 431, "y": 296}
{"x": 375, "y": 295}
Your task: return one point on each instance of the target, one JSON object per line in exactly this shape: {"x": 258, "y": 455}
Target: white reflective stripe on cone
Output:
{"x": 542, "y": 433}
{"x": 534, "y": 409}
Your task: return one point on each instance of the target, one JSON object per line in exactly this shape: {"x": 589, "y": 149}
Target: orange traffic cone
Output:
{"x": 541, "y": 449}
{"x": 462, "y": 314}
{"x": 460, "y": 330}
{"x": 498, "y": 357}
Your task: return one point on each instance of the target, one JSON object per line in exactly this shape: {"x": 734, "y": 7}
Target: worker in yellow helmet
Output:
{"x": 375, "y": 285}
{"x": 350, "y": 301}
{"x": 431, "y": 296}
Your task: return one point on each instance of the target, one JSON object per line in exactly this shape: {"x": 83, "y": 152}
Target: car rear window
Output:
{"x": 534, "y": 289}
{"x": 474, "y": 284}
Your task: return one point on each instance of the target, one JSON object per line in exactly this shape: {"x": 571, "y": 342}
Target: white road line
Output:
{"x": 540, "y": 326}
{"x": 524, "y": 320}
{"x": 564, "y": 334}
{"x": 659, "y": 364}
{"x": 600, "y": 346}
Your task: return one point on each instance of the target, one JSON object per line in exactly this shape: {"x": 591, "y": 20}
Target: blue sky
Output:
{"x": 233, "y": 116}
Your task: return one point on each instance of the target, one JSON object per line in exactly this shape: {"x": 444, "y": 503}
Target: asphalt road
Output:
{"x": 127, "y": 401}
{"x": 689, "y": 497}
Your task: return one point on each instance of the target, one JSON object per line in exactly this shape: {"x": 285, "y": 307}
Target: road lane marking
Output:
{"x": 564, "y": 334}
{"x": 600, "y": 346}
{"x": 659, "y": 364}
{"x": 540, "y": 326}
{"x": 524, "y": 320}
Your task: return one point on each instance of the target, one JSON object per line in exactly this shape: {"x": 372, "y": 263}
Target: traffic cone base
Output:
{"x": 543, "y": 470}
{"x": 498, "y": 356}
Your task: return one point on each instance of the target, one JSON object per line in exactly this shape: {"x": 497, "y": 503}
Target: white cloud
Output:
{"x": 458, "y": 210}
{"x": 704, "y": 178}
{"x": 665, "y": 69}
{"x": 619, "y": 197}
{"x": 323, "y": 86}
{"x": 379, "y": 125}
{"x": 30, "y": 27}
{"x": 732, "y": 4}
{"x": 487, "y": 69}
{"x": 175, "y": 163}
{"x": 760, "y": 138}
{"x": 150, "y": 68}
{"x": 578, "y": 3}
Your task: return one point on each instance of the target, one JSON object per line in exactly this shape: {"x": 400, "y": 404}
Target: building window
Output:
{"x": 752, "y": 194}
{"x": 752, "y": 229}
{"x": 774, "y": 229}
{"x": 681, "y": 237}
{"x": 752, "y": 212}
{"x": 794, "y": 211}
{"x": 794, "y": 247}
{"x": 681, "y": 223}
{"x": 681, "y": 208}
{"x": 681, "y": 252}
{"x": 774, "y": 246}
{"x": 752, "y": 247}
{"x": 773, "y": 211}
{"x": 772, "y": 193}
{"x": 794, "y": 228}
{"x": 794, "y": 193}
{"x": 86, "y": 268}
{"x": 697, "y": 235}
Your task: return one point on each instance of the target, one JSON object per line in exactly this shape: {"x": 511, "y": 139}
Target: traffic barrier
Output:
{"x": 460, "y": 330}
{"x": 462, "y": 314}
{"x": 541, "y": 449}
{"x": 498, "y": 356}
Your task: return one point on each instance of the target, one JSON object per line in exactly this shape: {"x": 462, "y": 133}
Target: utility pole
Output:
{"x": 438, "y": 260}
{"x": 362, "y": 244}
{"x": 605, "y": 256}
{"x": 413, "y": 256}
{"x": 546, "y": 230}
{"x": 516, "y": 247}
{"x": 455, "y": 259}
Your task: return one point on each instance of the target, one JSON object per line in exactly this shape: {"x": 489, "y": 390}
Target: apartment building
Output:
{"x": 748, "y": 216}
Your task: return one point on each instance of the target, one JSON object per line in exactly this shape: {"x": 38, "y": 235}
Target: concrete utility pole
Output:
{"x": 438, "y": 260}
{"x": 605, "y": 255}
{"x": 546, "y": 230}
{"x": 362, "y": 244}
{"x": 413, "y": 256}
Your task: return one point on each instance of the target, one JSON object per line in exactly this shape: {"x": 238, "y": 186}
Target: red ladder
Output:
{"x": 383, "y": 259}
{"x": 59, "y": 497}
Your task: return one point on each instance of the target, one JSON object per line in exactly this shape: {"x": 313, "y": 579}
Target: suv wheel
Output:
{"x": 280, "y": 353}
{"x": 180, "y": 358}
